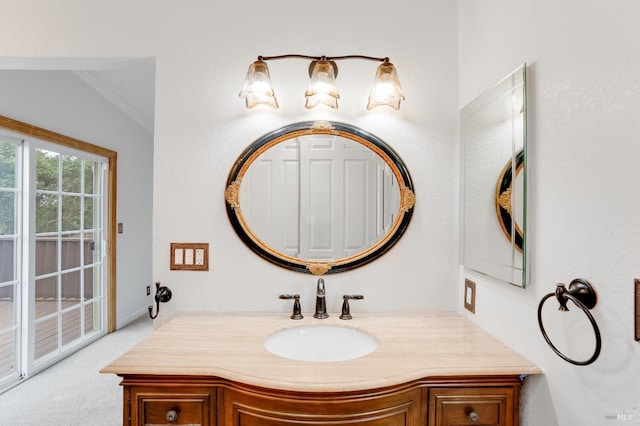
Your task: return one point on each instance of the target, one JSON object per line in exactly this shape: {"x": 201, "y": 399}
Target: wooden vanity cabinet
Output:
{"x": 167, "y": 400}
{"x": 245, "y": 407}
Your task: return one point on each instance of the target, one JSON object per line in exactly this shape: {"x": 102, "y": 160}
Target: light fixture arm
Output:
{"x": 331, "y": 59}
{"x": 323, "y": 58}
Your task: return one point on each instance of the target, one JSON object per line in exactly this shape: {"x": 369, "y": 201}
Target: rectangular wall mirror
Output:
{"x": 494, "y": 202}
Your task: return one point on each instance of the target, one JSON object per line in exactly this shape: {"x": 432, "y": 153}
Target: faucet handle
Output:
{"x": 346, "y": 314}
{"x": 297, "y": 311}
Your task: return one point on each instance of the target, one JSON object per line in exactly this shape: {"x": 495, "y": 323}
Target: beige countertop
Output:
{"x": 411, "y": 346}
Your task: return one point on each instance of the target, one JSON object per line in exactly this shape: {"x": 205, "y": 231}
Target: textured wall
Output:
{"x": 583, "y": 145}
{"x": 202, "y": 52}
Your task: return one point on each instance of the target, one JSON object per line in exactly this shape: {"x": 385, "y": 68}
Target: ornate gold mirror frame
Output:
{"x": 241, "y": 166}
{"x": 504, "y": 206}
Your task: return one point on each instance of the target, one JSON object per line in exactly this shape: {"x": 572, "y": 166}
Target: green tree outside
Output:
{"x": 7, "y": 181}
{"x": 49, "y": 181}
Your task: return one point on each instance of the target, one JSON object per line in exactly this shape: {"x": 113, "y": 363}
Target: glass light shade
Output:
{"x": 322, "y": 86}
{"x": 257, "y": 88}
{"x": 386, "y": 88}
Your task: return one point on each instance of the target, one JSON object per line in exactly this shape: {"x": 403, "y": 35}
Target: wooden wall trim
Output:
{"x": 112, "y": 157}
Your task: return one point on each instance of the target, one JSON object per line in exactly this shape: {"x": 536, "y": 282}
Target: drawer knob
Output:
{"x": 172, "y": 416}
{"x": 473, "y": 417}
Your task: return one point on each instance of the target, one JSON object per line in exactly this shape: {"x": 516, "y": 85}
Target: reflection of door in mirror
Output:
{"x": 493, "y": 132}
{"x": 320, "y": 197}
{"x": 270, "y": 197}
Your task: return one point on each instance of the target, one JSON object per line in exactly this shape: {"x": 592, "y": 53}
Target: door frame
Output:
{"x": 112, "y": 174}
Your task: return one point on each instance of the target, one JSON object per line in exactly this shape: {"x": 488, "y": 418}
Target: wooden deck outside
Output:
{"x": 46, "y": 333}
{"x": 46, "y": 294}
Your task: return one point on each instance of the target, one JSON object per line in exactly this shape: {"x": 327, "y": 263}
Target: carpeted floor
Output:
{"x": 73, "y": 392}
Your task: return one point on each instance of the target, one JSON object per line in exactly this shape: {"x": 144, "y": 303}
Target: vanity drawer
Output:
{"x": 482, "y": 406}
{"x": 172, "y": 407}
{"x": 173, "y": 411}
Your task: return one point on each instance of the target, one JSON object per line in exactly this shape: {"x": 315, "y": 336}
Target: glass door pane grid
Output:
{"x": 9, "y": 332}
{"x": 10, "y": 276}
{"x": 74, "y": 315}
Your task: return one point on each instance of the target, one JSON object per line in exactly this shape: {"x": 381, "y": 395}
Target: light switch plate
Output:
{"x": 190, "y": 256}
{"x": 470, "y": 296}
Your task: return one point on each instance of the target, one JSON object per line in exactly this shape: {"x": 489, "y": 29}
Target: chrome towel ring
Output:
{"x": 584, "y": 296}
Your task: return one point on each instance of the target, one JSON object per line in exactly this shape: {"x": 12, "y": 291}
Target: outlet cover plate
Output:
{"x": 189, "y": 256}
{"x": 470, "y": 296}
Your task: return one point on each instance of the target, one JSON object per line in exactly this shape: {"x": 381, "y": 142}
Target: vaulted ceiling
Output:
{"x": 128, "y": 83}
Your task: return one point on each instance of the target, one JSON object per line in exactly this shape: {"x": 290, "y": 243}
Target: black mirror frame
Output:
{"x": 232, "y": 198}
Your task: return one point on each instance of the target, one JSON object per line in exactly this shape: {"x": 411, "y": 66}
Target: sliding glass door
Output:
{"x": 52, "y": 294}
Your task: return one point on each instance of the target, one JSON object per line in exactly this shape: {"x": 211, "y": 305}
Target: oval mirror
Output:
{"x": 319, "y": 197}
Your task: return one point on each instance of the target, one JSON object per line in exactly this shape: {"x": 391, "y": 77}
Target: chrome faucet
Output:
{"x": 321, "y": 304}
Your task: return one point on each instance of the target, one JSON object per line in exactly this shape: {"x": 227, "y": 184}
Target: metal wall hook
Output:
{"x": 584, "y": 296}
{"x": 163, "y": 295}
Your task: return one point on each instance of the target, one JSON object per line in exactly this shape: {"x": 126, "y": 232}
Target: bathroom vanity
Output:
{"x": 213, "y": 369}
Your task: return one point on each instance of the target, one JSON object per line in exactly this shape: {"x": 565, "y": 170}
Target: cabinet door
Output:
{"x": 168, "y": 407}
{"x": 251, "y": 409}
{"x": 489, "y": 406}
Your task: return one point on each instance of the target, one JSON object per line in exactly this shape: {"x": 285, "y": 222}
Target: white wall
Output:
{"x": 584, "y": 148}
{"x": 202, "y": 52}
{"x": 59, "y": 101}
{"x": 202, "y": 126}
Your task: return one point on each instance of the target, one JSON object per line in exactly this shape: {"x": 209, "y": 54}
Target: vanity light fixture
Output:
{"x": 322, "y": 89}
{"x": 257, "y": 88}
{"x": 386, "y": 87}
{"x": 322, "y": 86}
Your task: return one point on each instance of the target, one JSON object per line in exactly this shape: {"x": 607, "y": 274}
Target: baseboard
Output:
{"x": 136, "y": 315}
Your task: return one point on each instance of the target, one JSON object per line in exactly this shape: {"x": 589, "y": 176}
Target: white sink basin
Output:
{"x": 320, "y": 343}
